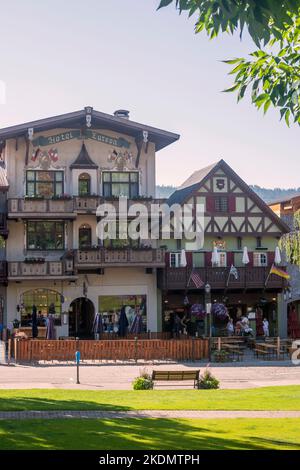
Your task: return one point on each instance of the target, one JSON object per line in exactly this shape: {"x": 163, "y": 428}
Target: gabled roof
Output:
{"x": 83, "y": 160}
{"x": 284, "y": 199}
{"x": 198, "y": 178}
{"x": 99, "y": 120}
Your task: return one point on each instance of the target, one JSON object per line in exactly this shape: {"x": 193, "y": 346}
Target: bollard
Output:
{"x": 77, "y": 359}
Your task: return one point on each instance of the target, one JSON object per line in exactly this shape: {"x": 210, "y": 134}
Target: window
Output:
{"x": 84, "y": 185}
{"x": 45, "y": 235}
{"x": 258, "y": 242}
{"x": 85, "y": 237}
{"x": 117, "y": 184}
{"x": 44, "y": 183}
{"x": 222, "y": 260}
{"x": 122, "y": 240}
{"x": 42, "y": 299}
{"x": 239, "y": 243}
{"x": 110, "y": 307}
{"x": 221, "y": 204}
{"x": 260, "y": 259}
{"x": 175, "y": 259}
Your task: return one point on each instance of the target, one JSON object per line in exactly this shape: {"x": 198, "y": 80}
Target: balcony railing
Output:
{"x": 47, "y": 269}
{"x": 218, "y": 278}
{"x": 41, "y": 207}
{"x": 22, "y": 207}
{"x": 102, "y": 257}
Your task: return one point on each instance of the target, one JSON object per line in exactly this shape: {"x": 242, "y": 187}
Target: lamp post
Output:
{"x": 207, "y": 290}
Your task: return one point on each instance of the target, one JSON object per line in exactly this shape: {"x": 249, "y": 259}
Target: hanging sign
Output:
{"x": 78, "y": 134}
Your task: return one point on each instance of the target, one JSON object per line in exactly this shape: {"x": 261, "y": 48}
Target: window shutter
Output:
{"x": 189, "y": 258}
{"x": 250, "y": 254}
{"x": 210, "y": 204}
{"x": 231, "y": 204}
{"x": 230, "y": 258}
{"x": 167, "y": 259}
{"x": 208, "y": 259}
{"x": 271, "y": 257}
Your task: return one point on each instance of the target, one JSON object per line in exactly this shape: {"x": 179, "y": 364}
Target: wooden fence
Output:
{"x": 114, "y": 350}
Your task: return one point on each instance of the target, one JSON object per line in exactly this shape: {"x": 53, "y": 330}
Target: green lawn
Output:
{"x": 267, "y": 398}
{"x": 179, "y": 434}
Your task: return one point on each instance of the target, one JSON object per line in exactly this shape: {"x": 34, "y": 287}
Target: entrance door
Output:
{"x": 81, "y": 318}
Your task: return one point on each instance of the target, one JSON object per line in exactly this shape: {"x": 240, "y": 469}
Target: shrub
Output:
{"x": 208, "y": 381}
{"x": 221, "y": 356}
{"x": 143, "y": 382}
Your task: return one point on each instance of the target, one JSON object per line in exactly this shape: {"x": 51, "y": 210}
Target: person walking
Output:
{"x": 266, "y": 328}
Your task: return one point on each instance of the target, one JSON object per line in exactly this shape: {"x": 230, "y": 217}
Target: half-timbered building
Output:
{"x": 236, "y": 221}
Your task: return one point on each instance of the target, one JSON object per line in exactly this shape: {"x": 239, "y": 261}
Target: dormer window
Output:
{"x": 84, "y": 184}
{"x": 120, "y": 183}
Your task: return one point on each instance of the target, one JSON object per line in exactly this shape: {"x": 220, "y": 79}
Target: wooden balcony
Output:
{"x": 20, "y": 270}
{"x": 41, "y": 208}
{"x": 90, "y": 203}
{"x": 248, "y": 278}
{"x": 127, "y": 257}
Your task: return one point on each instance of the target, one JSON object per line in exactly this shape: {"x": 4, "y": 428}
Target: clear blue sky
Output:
{"x": 59, "y": 56}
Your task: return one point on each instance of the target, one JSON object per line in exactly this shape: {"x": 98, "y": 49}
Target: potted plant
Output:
{"x": 207, "y": 381}
{"x": 143, "y": 382}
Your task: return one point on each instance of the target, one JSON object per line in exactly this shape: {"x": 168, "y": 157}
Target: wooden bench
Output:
{"x": 176, "y": 375}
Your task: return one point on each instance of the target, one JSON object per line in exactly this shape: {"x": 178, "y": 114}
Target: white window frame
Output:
{"x": 222, "y": 259}
{"x": 177, "y": 258}
{"x": 257, "y": 259}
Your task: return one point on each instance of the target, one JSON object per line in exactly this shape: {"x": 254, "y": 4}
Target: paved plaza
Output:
{"x": 119, "y": 376}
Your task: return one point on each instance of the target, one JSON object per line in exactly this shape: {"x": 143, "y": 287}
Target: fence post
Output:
{"x": 135, "y": 349}
{"x": 193, "y": 349}
{"x": 219, "y": 343}
{"x": 9, "y": 351}
{"x": 278, "y": 347}
{"x": 15, "y": 350}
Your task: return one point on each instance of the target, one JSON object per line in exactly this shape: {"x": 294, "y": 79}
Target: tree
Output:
{"x": 273, "y": 71}
{"x": 290, "y": 242}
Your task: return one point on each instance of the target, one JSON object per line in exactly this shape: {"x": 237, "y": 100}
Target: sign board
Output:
{"x": 42, "y": 141}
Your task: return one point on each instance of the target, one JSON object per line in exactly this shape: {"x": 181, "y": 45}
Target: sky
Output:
{"x": 58, "y": 57}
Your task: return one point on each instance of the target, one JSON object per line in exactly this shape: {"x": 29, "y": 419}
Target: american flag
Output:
{"x": 197, "y": 279}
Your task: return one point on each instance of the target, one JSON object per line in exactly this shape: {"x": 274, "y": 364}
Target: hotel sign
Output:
{"x": 78, "y": 134}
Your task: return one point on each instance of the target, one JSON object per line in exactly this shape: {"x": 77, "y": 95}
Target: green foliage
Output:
{"x": 143, "y": 382}
{"x": 273, "y": 74}
{"x": 208, "y": 381}
{"x": 290, "y": 242}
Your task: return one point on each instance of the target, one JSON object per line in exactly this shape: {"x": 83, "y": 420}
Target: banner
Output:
{"x": 78, "y": 134}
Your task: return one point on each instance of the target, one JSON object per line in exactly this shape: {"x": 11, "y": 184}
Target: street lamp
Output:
{"x": 207, "y": 290}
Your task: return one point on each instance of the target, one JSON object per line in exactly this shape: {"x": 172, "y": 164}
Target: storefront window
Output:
{"x": 42, "y": 299}
{"x": 45, "y": 235}
{"x": 110, "y": 307}
{"x": 44, "y": 183}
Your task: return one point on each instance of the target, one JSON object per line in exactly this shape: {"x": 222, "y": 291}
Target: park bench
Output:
{"x": 176, "y": 375}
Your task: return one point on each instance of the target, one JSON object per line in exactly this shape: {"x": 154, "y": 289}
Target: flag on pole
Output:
{"x": 234, "y": 272}
{"x": 197, "y": 279}
{"x": 279, "y": 272}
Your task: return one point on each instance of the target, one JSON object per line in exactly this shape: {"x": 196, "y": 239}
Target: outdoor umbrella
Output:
{"x": 123, "y": 323}
{"x": 137, "y": 324}
{"x": 34, "y": 322}
{"x": 50, "y": 330}
{"x": 277, "y": 255}
{"x": 245, "y": 259}
{"x": 97, "y": 324}
{"x": 183, "y": 261}
{"x": 215, "y": 257}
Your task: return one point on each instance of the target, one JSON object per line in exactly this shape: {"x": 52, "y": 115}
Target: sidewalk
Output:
{"x": 183, "y": 414}
{"x": 119, "y": 376}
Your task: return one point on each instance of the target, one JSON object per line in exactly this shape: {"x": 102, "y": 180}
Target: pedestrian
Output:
{"x": 230, "y": 327}
{"x": 266, "y": 328}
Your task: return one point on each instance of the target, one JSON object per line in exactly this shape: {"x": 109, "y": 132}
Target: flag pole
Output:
{"x": 268, "y": 276}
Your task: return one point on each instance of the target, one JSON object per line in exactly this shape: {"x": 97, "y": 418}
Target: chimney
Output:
{"x": 122, "y": 113}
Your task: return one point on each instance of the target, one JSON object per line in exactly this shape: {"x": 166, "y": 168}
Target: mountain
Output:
{"x": 268, "y": 195}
